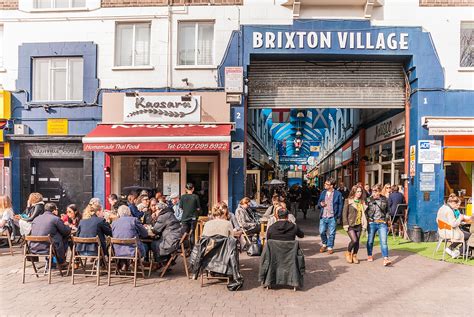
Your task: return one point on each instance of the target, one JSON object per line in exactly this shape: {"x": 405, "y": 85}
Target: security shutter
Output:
{"x": 308, "y": 84}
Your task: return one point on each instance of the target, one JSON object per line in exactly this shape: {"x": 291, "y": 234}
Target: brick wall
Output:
{"x": 8, "y": 4}
{"x": 446, "y": 3}
{"x": 151, "y": 3}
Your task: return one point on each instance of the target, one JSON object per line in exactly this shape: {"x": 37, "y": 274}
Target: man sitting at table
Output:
{"x": 168, "y": 229}
{"x": 128, "y": 227}
{"x": 283, "y": 229}
{"x": 50, "y": 224}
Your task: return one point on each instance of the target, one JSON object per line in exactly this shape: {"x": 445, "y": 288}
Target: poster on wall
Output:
{"x": 427, "y": 182}
{"x": 412, "y": 160}
{"x": 429, "y": 152}
{"x": 170, "y": 183}
{"x": 162, "y": 109}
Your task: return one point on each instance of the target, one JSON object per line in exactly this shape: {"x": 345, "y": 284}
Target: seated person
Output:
{"x": 168, "y": 229}
{"x": 283, "y": 229}
{"x": 149, "y": 218}
{"x": 72, "y": 217}
{"x": 218, "y": 225}
{"x": 49, "y": 223}
{"x": 271, "y": 210}
{"x": 35, "y": 207}
{"x": 274, "y": 217}
{"x": 6, "y": 212}
{"x": 93, "y": 225}
{"x": 449, "y": 213}
{"x": 128, "y": 227}
{"x": 245, "y": 217}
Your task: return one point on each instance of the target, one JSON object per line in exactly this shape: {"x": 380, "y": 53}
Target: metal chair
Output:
{"x": 5, "y": 235}
{"x": 180, "y": 252}
{"x": 30, "y": 256}
{"x": 444, "y": 226}
{"x": 75, "y": 255}
{"x": 137, "y": 261}
{"x": 400, "y": 216}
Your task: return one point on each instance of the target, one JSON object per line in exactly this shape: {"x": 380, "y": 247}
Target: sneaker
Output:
{"x": 323, "y": 249}
{"x": 386, "y": 262}
{"x": 455, "y": 254}
{"x": 449, "y": 251}
{"x": 370, "y": 258}
{"x": 330, "y": 251}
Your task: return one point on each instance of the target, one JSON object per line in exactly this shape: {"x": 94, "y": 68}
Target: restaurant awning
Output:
{"x": 158, "y": 137}
{"x": 449, "y": 125}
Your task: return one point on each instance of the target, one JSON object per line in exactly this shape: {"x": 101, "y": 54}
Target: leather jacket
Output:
{"x": 34, "y": 211}
{"x": 377, "y": 209}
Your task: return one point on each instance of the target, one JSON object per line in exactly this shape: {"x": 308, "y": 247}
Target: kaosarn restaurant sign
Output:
{"x": 162, "y": 109}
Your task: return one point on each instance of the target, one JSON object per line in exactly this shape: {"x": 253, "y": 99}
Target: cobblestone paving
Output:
{"x": 413, "y": 286}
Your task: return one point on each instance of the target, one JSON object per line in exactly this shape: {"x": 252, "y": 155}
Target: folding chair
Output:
{"x": 5, "y": 235}
{"x": 444, "y": 226}
{"x": 400, "y": 217}
{"x": 137, "y": 261}
{"x": 96, "y": 259}
{"x": 220, "y": 278}
{"x": 180, "y": 252}
{"x": 30, "y": 256}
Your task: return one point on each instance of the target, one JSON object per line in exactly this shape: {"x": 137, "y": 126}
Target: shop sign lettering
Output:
{"x": 329, "y": 40}
{"x": 160, "y": 146}
{"x": 162, "y": 109}
{"x": 386, "y": 129}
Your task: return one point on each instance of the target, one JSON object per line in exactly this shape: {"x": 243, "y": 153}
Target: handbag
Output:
{"x": 255, "y": 248}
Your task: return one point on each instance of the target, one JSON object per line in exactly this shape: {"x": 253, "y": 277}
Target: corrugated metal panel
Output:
{"x": 303, "y": 84}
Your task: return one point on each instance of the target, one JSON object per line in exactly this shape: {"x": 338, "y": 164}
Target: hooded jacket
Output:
{"x": 284, "y": 231}
{"x": 168, "y": 228}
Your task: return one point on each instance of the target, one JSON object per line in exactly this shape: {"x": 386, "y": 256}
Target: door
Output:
{"x": 253, "y": 185}
{"x": 200, "y": 175}
{"x": 59, "y": 181}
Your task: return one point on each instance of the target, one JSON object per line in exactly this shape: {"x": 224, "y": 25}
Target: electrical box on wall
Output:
{"x": 21, "y": 129}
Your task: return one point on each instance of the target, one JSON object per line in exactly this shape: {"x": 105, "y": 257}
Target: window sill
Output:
{"x": 3, "y": 70}
{"x": 118, "y": 68}
{"x": 58, "y": 10}
{"x": 466, "y": 69}
{"x": 195, "y": 67}
{"x": 55, "y": 102}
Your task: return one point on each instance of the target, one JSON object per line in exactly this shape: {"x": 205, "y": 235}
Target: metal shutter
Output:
{"x": 308, "y": 84}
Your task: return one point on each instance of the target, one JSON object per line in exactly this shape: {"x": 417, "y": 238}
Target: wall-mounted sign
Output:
{"x": 234, "y": 79}
{"x": 412, "y": 160}
{"x": 386, "y": 129}
{"x": 427, "y": 168}
{"x": 162, "y": 109}
{"x": 57, "y": 126}
{"x": 314, "y": 148}
{"x": 170, "y": 183}
{"x": 237, "y": 149}
{"x": 347, "y": 154}
{"x": 429, "y": 152}
{"x": 329, "y": 40}
{"x": 427, "y": 182}
{"x": 355, "y": 143}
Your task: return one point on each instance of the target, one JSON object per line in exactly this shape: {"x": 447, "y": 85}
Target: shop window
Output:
{"x": 132, "y": 44}
{"x": 196, "y": 43}
{"x": 467, "y": 44}
{"x": 400, "y": 149}
{"x": 1, "y": 46}
{"x": 386, "y": 153}
{"x": 58, "y": 4}
{"x": 58, "y": 79}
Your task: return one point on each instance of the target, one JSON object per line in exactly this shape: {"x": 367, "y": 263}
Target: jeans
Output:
{"x": 383, "y": 233}
{"x": 326, "y": 224}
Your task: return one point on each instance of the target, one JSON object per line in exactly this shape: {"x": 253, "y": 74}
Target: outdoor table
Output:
{"x": 199, "y": 227}
{"x": 263, "y": 230}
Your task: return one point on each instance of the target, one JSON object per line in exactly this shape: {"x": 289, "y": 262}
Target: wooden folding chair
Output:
{"x": 180, "y": 252}
{"x": 30, "y": 256}
{"x": 5, "y": 235}
{"x": 137, "y": 261}
{"x": 220, "y": 278}
{"x": 401, "y": 218}
{"x": 96, "y": 259}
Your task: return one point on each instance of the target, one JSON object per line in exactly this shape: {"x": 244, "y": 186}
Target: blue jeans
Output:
{"x": 383, "y": 233}
{"x": 326, "y": 224}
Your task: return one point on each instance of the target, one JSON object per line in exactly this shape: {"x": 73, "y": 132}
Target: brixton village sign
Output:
{"x": 329, "y": 39}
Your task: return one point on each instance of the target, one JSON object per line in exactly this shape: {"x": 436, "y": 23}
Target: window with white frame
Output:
{"x": 132, "y": 44}
{"x": 58, "y": 79}
{"x": 467, "y": 44}
{"x": 196, "y": 43}
{"x": 1, "y": 46}
{"x": 58, "y": 4}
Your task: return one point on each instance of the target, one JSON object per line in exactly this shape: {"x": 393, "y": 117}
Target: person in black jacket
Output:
{"x": 168, "y": 229}
{"x": 91, "y": 226}
{"x": 283, "y": 229}
{"x": 35, "y": 207}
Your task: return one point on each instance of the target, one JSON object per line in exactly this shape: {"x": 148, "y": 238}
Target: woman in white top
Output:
{"x": 6, "y": 212}
{"x": 219, "y": 225}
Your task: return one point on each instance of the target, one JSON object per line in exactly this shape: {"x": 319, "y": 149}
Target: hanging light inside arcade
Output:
{"x": 300, "y": 114}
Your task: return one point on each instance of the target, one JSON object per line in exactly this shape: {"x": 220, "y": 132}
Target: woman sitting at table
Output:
{"x": 271, "y": 210}
{"x": 92, "y": 225}
{"x": 218, "y": 225}
{"x": 274, "y": 218}
{"x": 449, "y": 214}
{"x": 245, "y": 218}
{"x": 168, "y": 230}
{"x": 72, "y": 217}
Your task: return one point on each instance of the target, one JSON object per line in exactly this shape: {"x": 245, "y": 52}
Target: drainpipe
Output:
{"x": 407, "y": 135}
{"x": 169, "y": 75}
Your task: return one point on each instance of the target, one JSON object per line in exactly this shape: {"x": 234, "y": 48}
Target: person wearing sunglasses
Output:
{"x": 330, "y": 204}
{"x": 377, "y": 214}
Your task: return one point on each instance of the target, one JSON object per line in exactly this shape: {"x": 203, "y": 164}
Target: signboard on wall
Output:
{"x": 429, "y": 152}
{"x": 386, "y": 129}
{"x": 57, "y": 126}
{"x": 237, "y": 149}
{"x": 162, "y": 109}
{"x": 412, "y": 160}
{"x": 170, "y": 183}
{"x": 234, "y": 79}
{"x": 427, "y": 182}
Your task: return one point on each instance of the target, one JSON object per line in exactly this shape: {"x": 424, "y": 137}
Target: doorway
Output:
{"x": 199, "y": 173}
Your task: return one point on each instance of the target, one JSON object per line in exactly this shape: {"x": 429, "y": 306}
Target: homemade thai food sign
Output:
{"x": 162, "y": 109}
{"x": 329, "y": 40}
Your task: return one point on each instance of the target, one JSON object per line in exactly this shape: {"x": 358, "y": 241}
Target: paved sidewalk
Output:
{"x": 413, "y": 286}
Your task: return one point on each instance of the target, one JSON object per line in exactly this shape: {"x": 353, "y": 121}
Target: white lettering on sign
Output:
{"x": 324, "y": 40}
{"x": 386, "y": 129}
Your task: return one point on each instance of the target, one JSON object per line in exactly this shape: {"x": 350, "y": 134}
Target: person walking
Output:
{"x": 354, "y": 221}
{"x": 377, "y": 216}
{"x": 330, "y": 204}
{"x": 191, "y": 207}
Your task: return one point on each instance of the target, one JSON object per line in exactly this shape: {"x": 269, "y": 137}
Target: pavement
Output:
{"x": 412, "y": 286}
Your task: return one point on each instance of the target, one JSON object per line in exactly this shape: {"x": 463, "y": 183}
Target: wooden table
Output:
{"x": 199, "y": 227}
{"x": 263, "y": 230}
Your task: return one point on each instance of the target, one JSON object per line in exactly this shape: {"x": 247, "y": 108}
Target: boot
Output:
{"x": 355, "y": 259}
{"x": 349, "y": 257}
